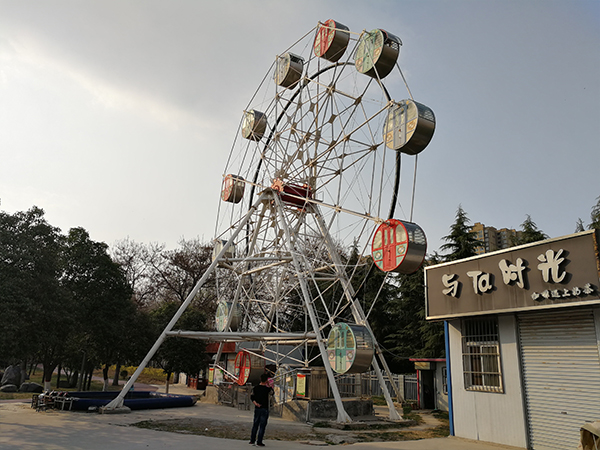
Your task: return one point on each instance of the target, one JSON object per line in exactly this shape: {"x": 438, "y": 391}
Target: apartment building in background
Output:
{"x": 493, "y": 239}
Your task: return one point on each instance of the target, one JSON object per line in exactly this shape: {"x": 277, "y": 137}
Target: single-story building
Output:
{"x": 432, "y": 386}
{"x": 522, "y": 341}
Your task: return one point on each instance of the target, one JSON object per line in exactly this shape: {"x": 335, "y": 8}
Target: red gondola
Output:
{"x": 399, "y": 246}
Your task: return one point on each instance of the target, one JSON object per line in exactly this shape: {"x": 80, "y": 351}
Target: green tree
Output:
{"x": 403, "y": 317}
{"x": 377, "y": 291}
{"x": 161, "y": 280}
{"x": 103, "y": 296}
{"x": 432, "y": 332}
{"x": 34, "y": 319}
{"x": 461, "y": 242}
{"x": 398, "y": 318}
{"x": 399, "y": 324}
{"x": 180, "y": 354}
{"x": 579, "y": 225}
{"x": 529, "y": 233}
{"x": 595, "y": 216}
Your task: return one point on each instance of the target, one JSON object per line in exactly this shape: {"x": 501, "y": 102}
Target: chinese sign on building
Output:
{"x": 556, "y": 272}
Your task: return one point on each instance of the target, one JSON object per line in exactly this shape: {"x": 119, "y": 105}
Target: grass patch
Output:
{"x": 148, "y": 376}
{"x": 408, "y": 414}
{"x": 183, "y": 427}
{"x": 37, "y": 378}
{"x": 405, "y": 435}
{"x": 440, "y": 431}
{"x": 321, "y": 425}
{"x": 413, "y": 416}
{"x": 15, "y": 395}
{"x": 441, "y": 415}
{"x": 386, "y": 436}
{"x": 379, "y": 400}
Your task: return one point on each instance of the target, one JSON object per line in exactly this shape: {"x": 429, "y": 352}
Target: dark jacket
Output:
{"x": 260, "y": 395}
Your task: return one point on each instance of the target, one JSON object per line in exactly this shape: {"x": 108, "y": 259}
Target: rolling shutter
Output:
{"x": 561, "y": 373}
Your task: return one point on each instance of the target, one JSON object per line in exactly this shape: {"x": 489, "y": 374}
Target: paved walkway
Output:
{"x": 23, "y": 428}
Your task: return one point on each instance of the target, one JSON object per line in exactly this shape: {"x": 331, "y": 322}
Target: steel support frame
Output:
{"x": 117, "y": 402}
{"x": 359, "y": 315}
{"x": 342, "y": 415}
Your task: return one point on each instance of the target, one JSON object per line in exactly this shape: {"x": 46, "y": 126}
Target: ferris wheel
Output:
{"x": 308, "y": 209}
{"x": 309, "y": 196}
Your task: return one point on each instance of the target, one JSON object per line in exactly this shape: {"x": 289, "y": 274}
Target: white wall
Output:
{"x": 441, "y": 399}
{"x": 486, "y": 416}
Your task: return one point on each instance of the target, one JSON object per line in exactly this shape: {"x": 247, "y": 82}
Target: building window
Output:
{"x": 481, "y": 355}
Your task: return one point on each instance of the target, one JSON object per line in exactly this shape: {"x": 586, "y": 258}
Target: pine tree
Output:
{"x": 529, "y": 233}
{"x": 399, "y": 322}
{"x": 461, "y": 241}
{"x": 595, "y": 216}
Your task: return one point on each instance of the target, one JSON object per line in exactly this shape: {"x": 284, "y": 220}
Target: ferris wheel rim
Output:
{"x": 290, "y": 101}
{"x": 301, "y": 133}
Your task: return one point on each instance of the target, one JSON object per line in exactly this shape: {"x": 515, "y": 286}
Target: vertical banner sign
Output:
{"x": 301, "y": 386}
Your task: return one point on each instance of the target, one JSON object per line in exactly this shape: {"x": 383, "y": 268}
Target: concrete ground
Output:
{"x": 21, "y": 427}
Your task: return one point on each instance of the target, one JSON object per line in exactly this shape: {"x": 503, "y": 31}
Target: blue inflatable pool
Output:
{"x": 83, "y": 401}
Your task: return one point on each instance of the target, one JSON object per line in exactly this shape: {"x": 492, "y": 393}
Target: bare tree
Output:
{"x": 178, "y": 271}
{"x": 138, "y": 262}
{"x": 157, "y": 275}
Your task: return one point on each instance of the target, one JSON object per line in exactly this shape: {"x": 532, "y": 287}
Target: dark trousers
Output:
{"x": 261, "y": 416}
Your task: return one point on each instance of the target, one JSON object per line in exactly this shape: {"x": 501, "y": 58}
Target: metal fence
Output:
{"x": 231, "y": 394}
{"x": 353, "y": 385}
{"x": 225, "y": 392}
{"x": 410, "y": 387}
{"x": 367, "y": 384}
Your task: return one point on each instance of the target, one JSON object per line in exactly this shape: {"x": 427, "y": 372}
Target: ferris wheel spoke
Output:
{"x": 320, "y": 144}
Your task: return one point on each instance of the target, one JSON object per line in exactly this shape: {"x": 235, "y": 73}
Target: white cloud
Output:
{"x": 136, "y": 90}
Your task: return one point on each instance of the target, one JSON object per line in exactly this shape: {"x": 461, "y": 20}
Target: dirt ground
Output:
{"x": 320, "y": 433}
{"x": 217, "y": 421}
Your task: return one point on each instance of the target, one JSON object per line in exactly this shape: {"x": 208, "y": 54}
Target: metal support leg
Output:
{"x": 342, "y": 416}
{"x": 358, "y": 314}
{"x": 118, "y": 401}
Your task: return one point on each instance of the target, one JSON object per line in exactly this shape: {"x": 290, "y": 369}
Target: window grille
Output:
{"x": 481, "y": 355}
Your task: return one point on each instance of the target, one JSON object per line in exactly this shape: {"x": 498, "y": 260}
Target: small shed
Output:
{"x": 432, "y": 392}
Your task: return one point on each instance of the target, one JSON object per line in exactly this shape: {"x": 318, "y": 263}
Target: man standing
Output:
{"x": 260, "y": 398}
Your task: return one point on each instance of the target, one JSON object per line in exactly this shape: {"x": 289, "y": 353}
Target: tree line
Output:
{"x": 398, "y": 321}
{"x": 74, "y": 305}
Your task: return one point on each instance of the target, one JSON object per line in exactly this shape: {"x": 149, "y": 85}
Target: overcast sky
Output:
{"x": 118, "y": 116}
